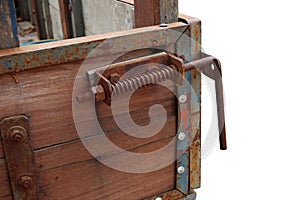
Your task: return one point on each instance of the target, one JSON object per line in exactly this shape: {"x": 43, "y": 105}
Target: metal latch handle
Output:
{"x": 211, "y": 67}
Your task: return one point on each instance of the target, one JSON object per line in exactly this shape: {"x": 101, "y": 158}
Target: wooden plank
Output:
{"x": 8, "y": 25}
{"x": 69, "y": 171}
{"x": 93, "y": 180}
{"x": 154, "y": 12}
{"x": 5, "y": 189}
{"x": 65, "y": 18}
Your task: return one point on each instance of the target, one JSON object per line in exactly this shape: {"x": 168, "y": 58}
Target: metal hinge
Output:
{"x": 19, "y": 157}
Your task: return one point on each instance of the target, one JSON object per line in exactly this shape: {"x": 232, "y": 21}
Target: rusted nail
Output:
{"x": 25, "y": 181}
{"x": 14, "y": 76}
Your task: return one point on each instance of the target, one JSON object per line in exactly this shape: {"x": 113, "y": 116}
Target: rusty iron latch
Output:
{"x": 19, "y": 157}
{"x": 211, "y": 67}
{"x": 110, "y": 84}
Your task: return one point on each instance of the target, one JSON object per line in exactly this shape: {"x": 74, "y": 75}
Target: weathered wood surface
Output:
{"x": 45, "y": 94}
{"x": 8, "y": 25}
{"x": 65, "y": 167}
{"x": 154, "y": 12}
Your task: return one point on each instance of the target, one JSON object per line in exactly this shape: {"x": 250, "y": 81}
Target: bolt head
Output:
{"x": 17, "y": 134}
{"x": 25, "y": 181}
{"x": 181, "y": 136}
{"x": 158, "y": 198}
{"x": 182, "y": 98}
{"x": 180, "y": 170}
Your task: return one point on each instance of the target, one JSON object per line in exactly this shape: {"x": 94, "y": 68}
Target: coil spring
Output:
{"x": 133, "y": 83}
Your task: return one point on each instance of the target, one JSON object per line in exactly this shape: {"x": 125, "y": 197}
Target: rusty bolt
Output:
{"x": 17, "y": 134}
{"x": 25, "y": 181}
{"x": 114, "y": 78}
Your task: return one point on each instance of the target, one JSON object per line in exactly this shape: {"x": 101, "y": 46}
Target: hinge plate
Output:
{"x": 19, "y": 157}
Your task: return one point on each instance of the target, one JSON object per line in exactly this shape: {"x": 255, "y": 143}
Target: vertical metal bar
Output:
{"x": 195, "y": 150}
{"x": 8, "y": 25}
{"x": 64, "y": 17}
{"x": 184, "y": 127}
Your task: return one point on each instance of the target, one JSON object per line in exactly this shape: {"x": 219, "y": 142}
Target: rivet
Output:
{"x": 181, "y": 136}
{"x": 182, "y": 98}
{"x": 180, "y": 170}
{"x": 163, "y": 25}
{"x": 158, "y": 198}
{"x": 25, "y": 181}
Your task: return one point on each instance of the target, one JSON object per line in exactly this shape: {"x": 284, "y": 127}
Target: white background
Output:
{"x": 258, "y": 43}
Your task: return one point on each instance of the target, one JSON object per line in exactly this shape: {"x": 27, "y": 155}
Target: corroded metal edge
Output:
{"x": 23, "y": 58}
{"x": 20, "y": 157}
{"x": 189, "y": 48}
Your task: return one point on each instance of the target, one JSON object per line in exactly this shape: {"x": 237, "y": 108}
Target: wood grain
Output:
{"x": 66, "y": 169}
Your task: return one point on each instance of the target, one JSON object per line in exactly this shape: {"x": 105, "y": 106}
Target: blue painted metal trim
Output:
{"x": 12, "y": 12}
{"x": 183, "y": 154}
{"x": 8, "y": 25}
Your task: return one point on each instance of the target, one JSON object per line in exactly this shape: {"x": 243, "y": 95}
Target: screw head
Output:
{"x": 158, "y": 198}
{"x": 180, "y": 170}
{"x": 182, "y": 98}
{"x": 25, "y": 181}
{"x": 181, "y": 136}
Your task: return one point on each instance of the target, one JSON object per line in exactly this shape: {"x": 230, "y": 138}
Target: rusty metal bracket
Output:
{"x": 19, "y": 157}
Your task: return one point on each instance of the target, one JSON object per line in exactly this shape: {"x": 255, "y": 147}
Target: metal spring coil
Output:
{"x": 133, "y": 83}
